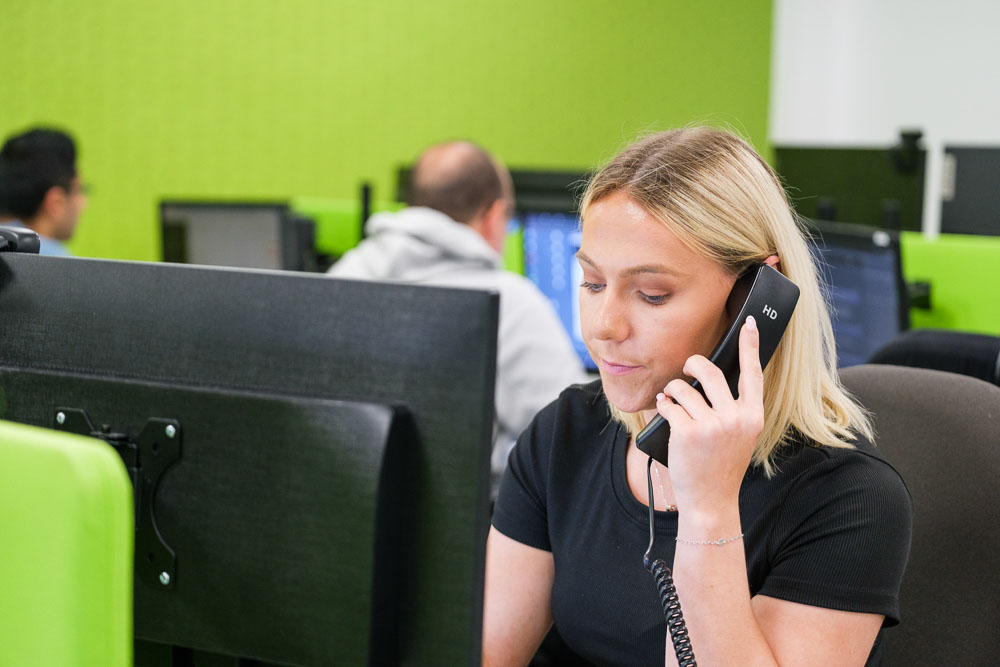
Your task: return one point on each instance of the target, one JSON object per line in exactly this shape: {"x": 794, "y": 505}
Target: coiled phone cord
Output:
{"x": 668, "y": 593}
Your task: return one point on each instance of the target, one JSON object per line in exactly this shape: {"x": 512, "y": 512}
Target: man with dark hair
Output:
{"x": 40, "y": 187}
{"x": 451, "y": 234}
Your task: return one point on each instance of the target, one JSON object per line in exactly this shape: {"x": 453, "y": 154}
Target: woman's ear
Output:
{"x": 773, "y": 262}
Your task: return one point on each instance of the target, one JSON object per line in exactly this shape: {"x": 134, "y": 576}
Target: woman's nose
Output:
{"x": 610, "y": 321}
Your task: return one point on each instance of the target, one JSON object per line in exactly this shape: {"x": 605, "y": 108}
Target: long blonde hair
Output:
{"x": 716, "y": 194}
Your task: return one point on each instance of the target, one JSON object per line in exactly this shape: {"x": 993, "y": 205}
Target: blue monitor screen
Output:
{"x": 550, "y": 244}
{"x": 866, "y": 290}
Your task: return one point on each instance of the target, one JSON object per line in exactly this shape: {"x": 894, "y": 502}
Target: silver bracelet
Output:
{"x": 718, "y": 543}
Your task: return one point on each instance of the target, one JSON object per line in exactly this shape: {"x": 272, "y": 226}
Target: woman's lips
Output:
{"x": 617, "y": 369}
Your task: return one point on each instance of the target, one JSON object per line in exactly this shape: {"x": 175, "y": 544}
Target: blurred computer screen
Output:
{"x": 551, "y": 241}
{"x": 253, "y": 235}
{"x": 862, "y": 267}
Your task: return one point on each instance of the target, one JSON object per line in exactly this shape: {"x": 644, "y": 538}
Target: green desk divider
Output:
{"x": 513, "y": 250}
{"x": 963, "y": 272}
{"x": 338, "y": 221}
{"x": 66, "y": 539}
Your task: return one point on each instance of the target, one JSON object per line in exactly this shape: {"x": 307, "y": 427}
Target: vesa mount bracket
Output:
{"x": 146, "y": 456}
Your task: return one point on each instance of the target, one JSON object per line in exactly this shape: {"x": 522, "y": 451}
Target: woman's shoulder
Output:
{"x": 584, "y": 395}
{"x": 572, "y": 423}
{"x": 579, "y": 409}
{"x": 831, "y": 528}
{"x": 804, "y": 466}
{"x": 801, "y": 452}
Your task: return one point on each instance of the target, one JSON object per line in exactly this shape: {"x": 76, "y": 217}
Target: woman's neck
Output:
{"x": 636, "y": 463}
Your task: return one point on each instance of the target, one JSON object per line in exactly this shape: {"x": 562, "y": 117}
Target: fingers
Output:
{"x": 687, "y": 397}
{"x": 751, "y": 383}
{"x": 679, "y": 398}
{"x": 671, "y": 411}
{"x": 712, "y": 380}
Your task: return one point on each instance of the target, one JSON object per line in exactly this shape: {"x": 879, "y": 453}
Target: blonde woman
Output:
{"x": 786, "y": 530}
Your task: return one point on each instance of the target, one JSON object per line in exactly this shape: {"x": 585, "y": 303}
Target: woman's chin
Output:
{"x": 628, "y": 400}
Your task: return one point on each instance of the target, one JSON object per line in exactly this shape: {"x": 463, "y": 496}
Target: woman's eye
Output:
{"x": 591, "y": 287}
{"x": 654, "y": 299}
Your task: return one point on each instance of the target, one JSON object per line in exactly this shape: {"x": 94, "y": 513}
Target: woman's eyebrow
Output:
{"x": 635, "y": 270}
{"x": 583, "y": 258}
{"x": 651, "y": 268}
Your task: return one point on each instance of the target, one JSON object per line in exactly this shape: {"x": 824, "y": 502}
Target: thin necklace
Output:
{"x": 670, "y": 508}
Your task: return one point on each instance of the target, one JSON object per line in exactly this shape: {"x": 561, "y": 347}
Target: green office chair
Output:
{"x": 66, "y": 549}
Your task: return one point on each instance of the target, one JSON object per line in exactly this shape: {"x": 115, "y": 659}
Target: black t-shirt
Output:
{"x": 831, "y": 529}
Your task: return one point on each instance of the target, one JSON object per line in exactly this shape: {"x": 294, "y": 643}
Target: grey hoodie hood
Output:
{"x": 417, "y": 244}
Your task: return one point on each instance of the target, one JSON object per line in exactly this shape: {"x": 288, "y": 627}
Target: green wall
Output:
{"x": 260, "y": 99}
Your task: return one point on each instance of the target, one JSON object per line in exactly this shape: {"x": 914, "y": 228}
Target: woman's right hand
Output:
{"x": 711, "y": 442}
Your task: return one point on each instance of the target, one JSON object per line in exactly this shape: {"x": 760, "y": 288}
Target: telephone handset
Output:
{"x": 762, "y": 292}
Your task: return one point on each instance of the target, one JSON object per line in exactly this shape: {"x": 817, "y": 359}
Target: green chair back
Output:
{"x": 66, "y": 549}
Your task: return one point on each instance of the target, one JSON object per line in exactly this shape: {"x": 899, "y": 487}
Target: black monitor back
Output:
{"x": 970, "y": 200}
{"x": 260, "y": 369}
{"x": 878, "y": 187}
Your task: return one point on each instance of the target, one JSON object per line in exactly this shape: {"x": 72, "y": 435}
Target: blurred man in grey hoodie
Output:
{"x": 451, "y": 234}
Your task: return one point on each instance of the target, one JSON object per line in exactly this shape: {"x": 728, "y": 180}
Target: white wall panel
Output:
{"x": 855, "y": 72}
